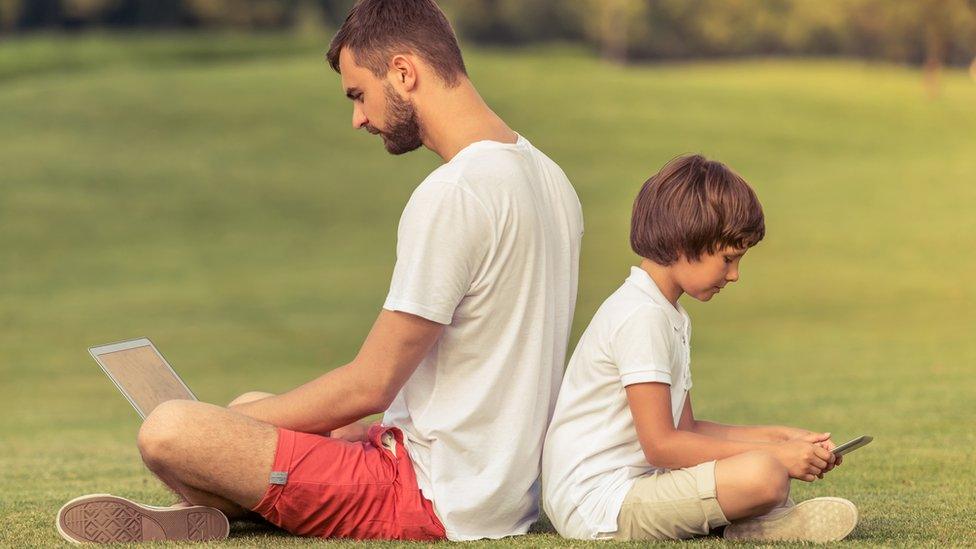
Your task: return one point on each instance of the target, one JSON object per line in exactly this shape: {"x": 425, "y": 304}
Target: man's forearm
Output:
{"x": 757, "y": 433}
{"x": 336, "y": 399}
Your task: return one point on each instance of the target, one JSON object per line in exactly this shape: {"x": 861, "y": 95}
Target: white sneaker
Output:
{"x": 103, "y": 518}
{"x": 818, "y": 520}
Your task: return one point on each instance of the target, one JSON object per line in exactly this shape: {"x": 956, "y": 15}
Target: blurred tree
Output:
{"x": 240, "y": 13}
{"x": 946, "y": 23}
{"x": 41, "y": 13}
{"x": 615, "y": 26}
{"x": 9, "y": 14}
{"x": 308, "y": 18}
{"x": 514, "y": 21}
{"x": 931, "y": 33}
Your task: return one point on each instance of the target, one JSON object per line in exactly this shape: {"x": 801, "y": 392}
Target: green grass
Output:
{"x": 209, "y": 193}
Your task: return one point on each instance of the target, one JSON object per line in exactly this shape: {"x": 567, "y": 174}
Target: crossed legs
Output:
{"x": 750, "y": 484}
{"x": 210, "y": 455}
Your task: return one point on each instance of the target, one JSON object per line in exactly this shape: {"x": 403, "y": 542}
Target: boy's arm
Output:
{"x": 671, "y": 448}
{"x": 757, "y": 433}
{"x": 392, "y": 351}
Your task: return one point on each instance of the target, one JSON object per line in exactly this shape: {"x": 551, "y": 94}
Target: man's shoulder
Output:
{"x": 492, "y": 165}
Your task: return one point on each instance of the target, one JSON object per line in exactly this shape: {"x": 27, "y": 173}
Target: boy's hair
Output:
{"x": 694, "y": 206}
{"x": 375, "y": 30}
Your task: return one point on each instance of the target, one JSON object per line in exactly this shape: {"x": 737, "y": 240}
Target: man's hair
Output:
{"x": 376, "y": 30}
{"x": 694, "y": 206}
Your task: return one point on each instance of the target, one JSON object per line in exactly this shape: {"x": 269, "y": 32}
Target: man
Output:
{"x": 465, "y": 358}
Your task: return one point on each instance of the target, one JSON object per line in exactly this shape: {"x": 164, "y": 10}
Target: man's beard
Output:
{"x": 403, "y": 129}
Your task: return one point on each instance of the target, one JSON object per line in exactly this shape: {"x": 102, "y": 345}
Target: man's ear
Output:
{"x": 403, "y": 72}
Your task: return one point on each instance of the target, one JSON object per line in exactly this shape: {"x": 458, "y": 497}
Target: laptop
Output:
{"x": 141, "y": 373}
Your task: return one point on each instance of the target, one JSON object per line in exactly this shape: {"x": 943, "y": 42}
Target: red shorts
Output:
{"x": 326, "y": 487}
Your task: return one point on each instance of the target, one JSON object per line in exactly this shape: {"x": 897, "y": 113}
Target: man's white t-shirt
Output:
{"x": 489, "y": 246}
{"x": 592, "y": 455}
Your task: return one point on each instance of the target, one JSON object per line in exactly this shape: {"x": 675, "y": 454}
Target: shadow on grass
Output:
{"x": 262, "y": 529}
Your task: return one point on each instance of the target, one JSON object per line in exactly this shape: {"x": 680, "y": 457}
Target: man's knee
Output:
{"x": 249, "y": 396}
{"x": 164, "y": 430}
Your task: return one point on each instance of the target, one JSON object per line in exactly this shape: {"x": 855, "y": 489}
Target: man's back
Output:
{"x": 489, "y": 245}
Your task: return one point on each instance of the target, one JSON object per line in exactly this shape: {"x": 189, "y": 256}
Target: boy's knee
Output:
{"x": 162, "y": 431}
{"x": 249, "y": 396}
{"x": 769, "y": 480}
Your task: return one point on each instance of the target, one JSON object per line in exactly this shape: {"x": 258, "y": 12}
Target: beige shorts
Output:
{"x": 676, "y": 504}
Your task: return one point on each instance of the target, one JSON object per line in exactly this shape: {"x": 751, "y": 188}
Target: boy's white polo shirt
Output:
{"x": 592, "y": 455}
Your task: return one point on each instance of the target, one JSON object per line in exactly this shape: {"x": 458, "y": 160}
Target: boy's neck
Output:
{"x": 664, "y": 280}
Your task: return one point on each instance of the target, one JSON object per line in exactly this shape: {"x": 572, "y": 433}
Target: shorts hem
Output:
{"x": 282, "y": 462}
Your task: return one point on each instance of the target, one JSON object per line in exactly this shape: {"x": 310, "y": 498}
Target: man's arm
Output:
{"x": 394, "y": 347}
{"x": 675, "y": 448}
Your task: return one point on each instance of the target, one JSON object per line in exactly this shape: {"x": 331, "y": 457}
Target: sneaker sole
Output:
{"x": 818, "y": 520}
{"x": 104, "y": 518}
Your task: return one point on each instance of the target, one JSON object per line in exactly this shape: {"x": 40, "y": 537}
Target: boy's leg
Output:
{"x": 753, "y": 491}
{"x": 750, "y": 484}
{"x": 684, "y": 503}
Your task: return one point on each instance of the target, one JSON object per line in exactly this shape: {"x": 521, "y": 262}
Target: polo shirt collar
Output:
{"x": 676, "y": 316}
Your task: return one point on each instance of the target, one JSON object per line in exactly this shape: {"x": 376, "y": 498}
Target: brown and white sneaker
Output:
{"x": 103, "y": 518}
{"x": 818, "y": 520}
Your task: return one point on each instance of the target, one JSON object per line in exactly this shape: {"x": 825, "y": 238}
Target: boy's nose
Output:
{"x": 732, "y": 276}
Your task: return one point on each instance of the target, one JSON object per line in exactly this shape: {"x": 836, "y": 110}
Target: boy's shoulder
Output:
{"x": 633, "y": 302}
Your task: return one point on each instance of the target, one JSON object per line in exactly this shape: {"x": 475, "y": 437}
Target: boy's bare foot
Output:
{"x": 818, "y": 520}
{"x": 103, "y": 518}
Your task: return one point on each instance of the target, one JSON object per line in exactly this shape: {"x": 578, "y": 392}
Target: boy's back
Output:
{"x": 592, "y": 452}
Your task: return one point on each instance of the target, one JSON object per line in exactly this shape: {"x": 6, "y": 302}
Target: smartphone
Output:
{"x": 852, "y": 445}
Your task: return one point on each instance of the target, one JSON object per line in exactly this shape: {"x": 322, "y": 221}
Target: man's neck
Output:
{"x": 457, "y": 117}
{"x": 661, "y": 276}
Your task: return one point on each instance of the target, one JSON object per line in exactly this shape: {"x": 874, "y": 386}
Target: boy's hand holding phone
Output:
{"x": 805, "y": 457}
{"x": 790, "y": 433}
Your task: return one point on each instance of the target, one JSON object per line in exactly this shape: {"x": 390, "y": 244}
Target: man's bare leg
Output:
{"x": 209, "y": 455}
{"x": 218, "y": 460}
{"x": 229, "y": 508}
{"x": 250, "y": 396}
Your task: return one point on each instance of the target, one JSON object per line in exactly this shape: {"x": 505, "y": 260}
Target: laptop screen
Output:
{"x": 141, "y": 373}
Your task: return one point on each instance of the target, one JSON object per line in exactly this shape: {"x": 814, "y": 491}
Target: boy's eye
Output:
{"x": 728, "y": 259}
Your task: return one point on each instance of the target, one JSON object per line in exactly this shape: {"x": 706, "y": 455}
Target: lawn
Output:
{"x": 208, "y": 192}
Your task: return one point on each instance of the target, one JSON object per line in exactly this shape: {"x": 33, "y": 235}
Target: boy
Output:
{"x": 624, "y": 456}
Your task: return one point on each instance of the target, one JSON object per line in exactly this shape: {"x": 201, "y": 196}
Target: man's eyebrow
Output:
{"x": 351, "y": 93}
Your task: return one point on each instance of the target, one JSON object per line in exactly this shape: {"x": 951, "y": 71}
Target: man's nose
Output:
{"x": 358, "y": 118}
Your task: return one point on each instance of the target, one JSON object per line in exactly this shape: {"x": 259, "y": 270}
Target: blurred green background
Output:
{"x": 201, "y": 185}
